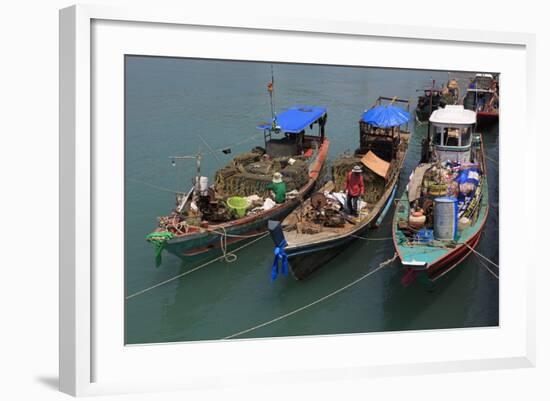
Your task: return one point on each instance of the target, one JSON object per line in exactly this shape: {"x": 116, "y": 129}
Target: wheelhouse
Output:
{"x": 450, "y": 133}
{"x": 298, "y": 130}
{"x": 483, "y": 100}
{"x": 380, "y": 128}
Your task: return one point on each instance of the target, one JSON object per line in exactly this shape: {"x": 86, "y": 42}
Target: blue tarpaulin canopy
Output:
{"x": 296, "y": 119}
{"x": 386, "y": 116}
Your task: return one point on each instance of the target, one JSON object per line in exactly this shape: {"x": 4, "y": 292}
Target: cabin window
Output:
{"x": 465, "y": 136}
{"x": 451, "y": 136}
{"x": 437, "y": 134}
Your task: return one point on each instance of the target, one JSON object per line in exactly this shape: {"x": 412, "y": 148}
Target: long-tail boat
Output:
{"x": 204, "y": 219}
{"x": 439, "y": 219}
{"x": 482, "y": 97}
{"x": 322, "y": 226}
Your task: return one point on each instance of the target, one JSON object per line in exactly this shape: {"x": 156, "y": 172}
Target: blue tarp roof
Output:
{"x": 297, "y": 118}
{"x": 386, "y": 116}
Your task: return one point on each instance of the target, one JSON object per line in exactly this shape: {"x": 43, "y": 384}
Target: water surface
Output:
{"x": 169, "y": 103}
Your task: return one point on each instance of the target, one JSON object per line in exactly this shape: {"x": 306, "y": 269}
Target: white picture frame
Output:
{"x": 93, "y": 358}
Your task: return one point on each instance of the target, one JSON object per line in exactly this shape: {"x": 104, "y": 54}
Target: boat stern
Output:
{"x": 280, "y": 261}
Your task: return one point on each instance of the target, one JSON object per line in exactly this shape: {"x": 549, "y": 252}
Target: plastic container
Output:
{"x": 203, "y": 184}
{"x": 238, "y": 204}
{"x": 464, "y": 223}
{"x": 417, "y": 221}
{"x": 425, "y": 235}
{"x": 445, "y": 218}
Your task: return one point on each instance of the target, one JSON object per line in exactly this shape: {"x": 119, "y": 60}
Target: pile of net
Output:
{"x": 374, "y": 184}
{"x": 249, "y": 174}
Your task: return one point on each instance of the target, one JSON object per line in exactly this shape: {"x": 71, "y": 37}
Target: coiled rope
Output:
{"x": 229, "y": 257}
{"x": 194, "y": 269}
{"x": 370, "y": 273}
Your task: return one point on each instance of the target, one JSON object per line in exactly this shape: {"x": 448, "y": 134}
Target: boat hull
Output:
{"x": 486, "y": 117}
{"x": 306, "y": 259}
{"x": 206, "y": 241}
{"x": 433, "y": 263}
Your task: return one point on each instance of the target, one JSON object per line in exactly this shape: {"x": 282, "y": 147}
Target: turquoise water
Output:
{"x": 169, "y": 103}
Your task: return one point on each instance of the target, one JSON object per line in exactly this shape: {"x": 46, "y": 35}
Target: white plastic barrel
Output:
{"x": 445, "y": 218}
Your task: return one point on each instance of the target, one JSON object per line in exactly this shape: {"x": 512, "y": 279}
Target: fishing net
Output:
{"x": 250, "y": 173}
{"x": 374, "y": 184}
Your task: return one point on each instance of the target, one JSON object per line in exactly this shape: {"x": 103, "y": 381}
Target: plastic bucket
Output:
{"x": 238, "y": 204}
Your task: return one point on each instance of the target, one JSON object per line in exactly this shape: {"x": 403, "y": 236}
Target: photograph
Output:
{"x": 269, "y": 199}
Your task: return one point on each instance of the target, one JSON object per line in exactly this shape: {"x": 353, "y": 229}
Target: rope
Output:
{"x": 371, "y": 239}
{"x": 194, "y": 269}
{"x": 480, "y": 255}
{"x": 225, "y": 233}
{"x": 487, "y": 268}
{"x": 154, "y": 186}
{"x": 380, "y": 266}
{"x": 229, "y": 257}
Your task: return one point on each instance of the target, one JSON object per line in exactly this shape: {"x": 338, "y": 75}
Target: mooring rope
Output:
{"x": 487, "y": 267}
{"x": 371, "y": 239}
{"x": 380, "y": 266}
{"x": 481, "y": 256}
{"x": 194, "y": 269}
{"x": 493, "y": 160}
{"x": 154, "y": 186}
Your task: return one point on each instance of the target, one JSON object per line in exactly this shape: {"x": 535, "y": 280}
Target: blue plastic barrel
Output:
{"x": 445, "y": 218}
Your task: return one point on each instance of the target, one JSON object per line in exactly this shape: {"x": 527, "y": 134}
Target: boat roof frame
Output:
{"x": 296, "y": 119}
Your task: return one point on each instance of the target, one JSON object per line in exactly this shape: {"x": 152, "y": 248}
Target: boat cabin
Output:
{"x": 450, "y": 133}
{"x": 483, "y": 81}
{"x": 380, "y": 128}
{"x": 296, "y": 131}
{"x": 481, "y": 100}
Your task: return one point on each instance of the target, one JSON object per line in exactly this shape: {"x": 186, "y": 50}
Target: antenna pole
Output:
{"x": 270, "y": 88}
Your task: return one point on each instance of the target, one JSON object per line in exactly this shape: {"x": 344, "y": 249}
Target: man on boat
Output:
{"x": 355, "y": 188}
{"x": 278, "y": 188}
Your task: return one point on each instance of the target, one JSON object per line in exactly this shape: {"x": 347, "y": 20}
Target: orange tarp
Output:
{"x": 376, "y": 164}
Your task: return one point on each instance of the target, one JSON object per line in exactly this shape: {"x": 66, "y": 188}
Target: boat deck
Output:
{"x": 294, "y": 238}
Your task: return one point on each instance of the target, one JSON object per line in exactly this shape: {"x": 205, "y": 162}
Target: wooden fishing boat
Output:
{"x": 482, "y": 97}
{"x": 322, "y": 226}
{"x": 431, "y": 100}
{"x": 203, "y": 220}
{"x": 440, "y": 217}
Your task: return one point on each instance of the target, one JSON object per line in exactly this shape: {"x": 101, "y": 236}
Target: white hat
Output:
{"x": 277, "y": 177}
{"x": 356, "y": 169}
